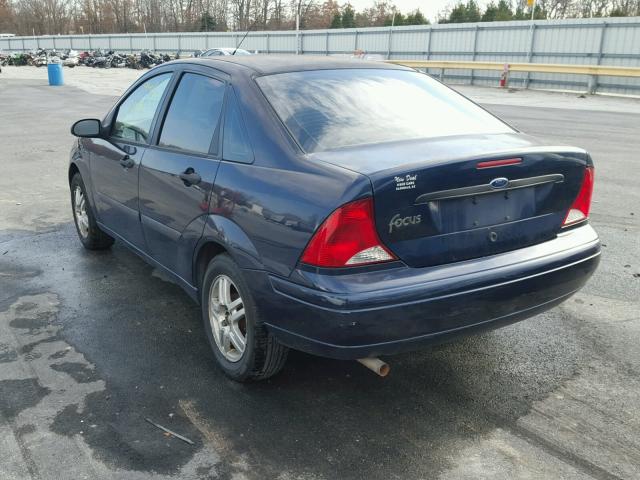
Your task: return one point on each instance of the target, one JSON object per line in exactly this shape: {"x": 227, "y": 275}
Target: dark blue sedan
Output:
{"x": 344, "y": 208}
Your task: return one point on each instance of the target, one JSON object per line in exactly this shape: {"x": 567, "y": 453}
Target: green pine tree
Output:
{"x": 504, "y": 12}
{"x": 336, "y": 21}
{"x": 348, "y": 17}
{"x": 416, "y": 18}
{"x": 398, "y": 20}
{"x": 207, "y": 23}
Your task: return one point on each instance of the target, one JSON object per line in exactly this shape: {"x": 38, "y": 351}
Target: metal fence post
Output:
{"x": 268, "y": 40}
{"x": 530, "y": 53}
{"x": 475, "y": 48}
{"x": 155, "y": 44}
{"x": 90, "y": 43}
{"x": 179, "y": 44}
{"x": 131, "y": 43}
{"x": 355, "y": 46}
{"x": 326, "y": 44}
{"x": 38, "y": 42}
{"x": 23, "y": 47}
{"x": 389, "y": 43}
{"x": 592, "y": 86}
{"x": 54, "y": 42}
{"x": 109, "y": 40}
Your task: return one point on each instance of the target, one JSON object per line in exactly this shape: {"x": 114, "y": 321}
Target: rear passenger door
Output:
{"x": 178, "y": 171}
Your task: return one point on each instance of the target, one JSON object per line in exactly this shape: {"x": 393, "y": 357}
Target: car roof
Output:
{"x": 272, "y": 64}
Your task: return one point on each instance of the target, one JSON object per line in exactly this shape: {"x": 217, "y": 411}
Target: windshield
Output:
{"x": 330, "y": 109}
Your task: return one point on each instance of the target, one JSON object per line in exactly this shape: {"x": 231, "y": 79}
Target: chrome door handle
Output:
{"x": 190, "y": 177}
{"x": 127, "y": 162}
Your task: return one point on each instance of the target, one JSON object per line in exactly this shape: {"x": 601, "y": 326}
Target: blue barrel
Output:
{"x": 54, "y": 70}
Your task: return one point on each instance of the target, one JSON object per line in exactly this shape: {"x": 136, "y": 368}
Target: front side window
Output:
{"x": 235, "y": 146}
{"x": 194, "y": 113}
{"x": 135, "y": 114}
{"x": 331, "y": 109}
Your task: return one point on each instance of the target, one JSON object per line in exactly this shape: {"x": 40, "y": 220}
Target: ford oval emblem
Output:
{"x": 500, "y": 182}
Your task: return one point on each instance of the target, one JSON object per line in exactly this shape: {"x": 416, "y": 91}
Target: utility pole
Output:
{"x": 298, "y": 26}
{"x": 393, "y": 22}
{"x": 532, "y": 4}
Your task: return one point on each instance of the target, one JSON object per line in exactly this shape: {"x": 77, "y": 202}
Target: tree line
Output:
{"x": 504, "y": 10}
{"x": 51, "y": 17}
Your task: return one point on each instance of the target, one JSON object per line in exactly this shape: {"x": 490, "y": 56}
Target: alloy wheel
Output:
{"x": 80, "y": 211}
{"x": 227, "y": 318}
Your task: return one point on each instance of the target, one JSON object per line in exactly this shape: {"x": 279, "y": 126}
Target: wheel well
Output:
{"x": 205, "y": 255}
{"x": 73, "y": 169}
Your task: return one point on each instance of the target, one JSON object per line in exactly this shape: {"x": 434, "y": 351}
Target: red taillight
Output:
{"x": 582, "y": 204}
{"x": 347, "y": 238}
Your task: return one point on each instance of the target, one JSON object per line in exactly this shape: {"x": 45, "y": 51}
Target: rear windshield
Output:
{"x": 331, "y": 109}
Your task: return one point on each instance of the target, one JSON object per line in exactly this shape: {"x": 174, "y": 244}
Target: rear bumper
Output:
{"x": 402, "y": 309}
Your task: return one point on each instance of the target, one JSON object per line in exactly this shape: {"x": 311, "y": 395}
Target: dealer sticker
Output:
{"x": 408, "y": 182}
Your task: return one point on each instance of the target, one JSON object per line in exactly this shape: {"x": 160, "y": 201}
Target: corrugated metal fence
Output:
{"x": 603, "y": 41}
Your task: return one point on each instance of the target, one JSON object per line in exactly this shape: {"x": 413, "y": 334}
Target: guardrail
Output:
{"x": 593, "y": 71}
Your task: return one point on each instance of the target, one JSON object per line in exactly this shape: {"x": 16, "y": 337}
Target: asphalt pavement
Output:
{"x": 92, "y": 344}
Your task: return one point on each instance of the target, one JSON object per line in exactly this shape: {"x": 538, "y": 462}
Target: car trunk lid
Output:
{"x": 456, "y": 198}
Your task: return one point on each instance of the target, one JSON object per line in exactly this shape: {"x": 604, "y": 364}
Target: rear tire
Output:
{"x": 260, "y": 355}
{"x": 90, "y": 235}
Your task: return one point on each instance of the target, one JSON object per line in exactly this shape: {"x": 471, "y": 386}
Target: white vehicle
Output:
{"x": 70, "y": 62}
{"x": 70, "y": 58}
{"x": 213, "y": 52}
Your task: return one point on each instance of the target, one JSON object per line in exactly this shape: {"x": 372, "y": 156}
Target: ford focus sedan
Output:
{"x": 343, "y": 208}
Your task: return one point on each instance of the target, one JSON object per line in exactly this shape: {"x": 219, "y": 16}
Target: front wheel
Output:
{"x": 91, "y": 236}
{"x": 242, "y": 346}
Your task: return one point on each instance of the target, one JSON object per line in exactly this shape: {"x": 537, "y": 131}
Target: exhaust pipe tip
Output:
{"x": 376, "y": 365}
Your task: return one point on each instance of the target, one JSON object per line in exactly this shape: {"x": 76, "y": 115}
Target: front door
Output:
{"x": 115, "y": 163}
{"x": 177, "y": 174}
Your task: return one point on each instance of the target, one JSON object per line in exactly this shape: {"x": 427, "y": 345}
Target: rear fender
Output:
{"x": 233, "y": 239}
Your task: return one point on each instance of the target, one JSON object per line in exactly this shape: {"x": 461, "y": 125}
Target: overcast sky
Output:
{"x": 430, "y": 8}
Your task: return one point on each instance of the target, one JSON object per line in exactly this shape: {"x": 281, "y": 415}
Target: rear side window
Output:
{"x": 194, "y": 113}
{"x": 235, "y": 146}
{"x": 136, "y": 113}
{"x": 330, "y": 109}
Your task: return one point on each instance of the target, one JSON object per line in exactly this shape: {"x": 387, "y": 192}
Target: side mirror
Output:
{"x": 89, "y": 128}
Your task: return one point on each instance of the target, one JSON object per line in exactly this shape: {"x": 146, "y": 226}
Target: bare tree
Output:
{"x": 26, "y": 17}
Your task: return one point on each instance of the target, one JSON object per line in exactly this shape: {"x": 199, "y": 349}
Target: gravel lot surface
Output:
{"x": 92, "y": 344}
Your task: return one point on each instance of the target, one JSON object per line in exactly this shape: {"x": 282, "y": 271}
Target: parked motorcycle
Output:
{"x": 97, "y": 58}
